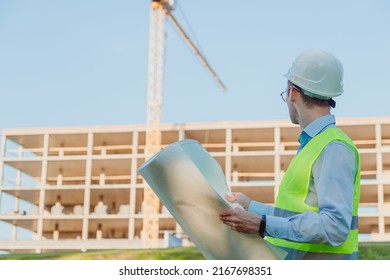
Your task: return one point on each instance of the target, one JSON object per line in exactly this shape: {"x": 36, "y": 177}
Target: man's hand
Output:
{"x": 241, "y": 221}
{"x": 239, "y": 198}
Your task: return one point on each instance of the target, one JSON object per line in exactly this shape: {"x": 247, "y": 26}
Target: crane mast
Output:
{"x": 160, "y": 9}
{"x": 151, "y": 205}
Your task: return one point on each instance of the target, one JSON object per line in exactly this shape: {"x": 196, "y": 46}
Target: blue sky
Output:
{"x": 80, "y": 63}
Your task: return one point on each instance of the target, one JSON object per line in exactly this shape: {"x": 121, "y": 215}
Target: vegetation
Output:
{"x": 374, "y": 251}
{"x": 176, "y": 253}
{"x": 367, "y": 251}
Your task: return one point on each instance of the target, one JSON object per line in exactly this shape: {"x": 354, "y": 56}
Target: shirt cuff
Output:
{"x": 277, "y": 227}
{"x": 260, "y": 208}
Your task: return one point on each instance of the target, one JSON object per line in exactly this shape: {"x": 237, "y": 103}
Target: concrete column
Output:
{"x": 228, "y": 157}
{"x": 379, "y": 177}
{"x": 14, "y": 233}
{"x": 42, "y": 187}
{"x": 59, "y": 178}
{"x": 17, "y": 185}
{"x": 134, "y": 159}
{"x": 379, "y": 163}
{"x": 182, "y": 134}
{"x": 16, "y": 202}
{"x": 56, "y": 232}
{"x": 87, "y": 198}
{"x": 381, "y": 225}
{"x": 102, "y": 177}
{"x": 132, "y": 212}
{"x": 2, "y": 156}
{"x": 133, "y": 183}
{"x": 87, "y": 191}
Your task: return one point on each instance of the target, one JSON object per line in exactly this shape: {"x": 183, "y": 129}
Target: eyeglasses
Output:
{"x": 283, "y": 95}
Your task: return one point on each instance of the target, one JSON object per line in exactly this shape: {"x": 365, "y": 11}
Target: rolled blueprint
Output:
{"x": 192, "y": 185}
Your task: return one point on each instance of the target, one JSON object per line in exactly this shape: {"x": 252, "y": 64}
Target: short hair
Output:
{"x": 312, "y": 101}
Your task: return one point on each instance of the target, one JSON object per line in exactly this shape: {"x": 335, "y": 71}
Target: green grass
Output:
{"x": 374, "y": 251}
{"x": 176, "y": 253}
{"x": 367, "y": 251}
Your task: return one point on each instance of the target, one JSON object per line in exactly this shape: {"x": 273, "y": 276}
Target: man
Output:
{"x": 315, "y": 212}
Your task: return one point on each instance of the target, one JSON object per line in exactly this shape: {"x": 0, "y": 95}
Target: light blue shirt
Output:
{"x": 331, "y": 189}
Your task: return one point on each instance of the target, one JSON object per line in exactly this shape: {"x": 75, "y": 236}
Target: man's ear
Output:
{"x": 293, "y": 95}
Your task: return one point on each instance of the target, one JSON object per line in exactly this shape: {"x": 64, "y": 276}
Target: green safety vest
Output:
{"x": 294, "y": 188}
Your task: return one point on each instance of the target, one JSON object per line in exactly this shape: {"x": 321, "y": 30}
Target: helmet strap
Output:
{"x": 332, "y": 103}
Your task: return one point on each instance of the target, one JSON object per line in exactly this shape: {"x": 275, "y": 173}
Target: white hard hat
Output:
{"x": 318, "y": 73}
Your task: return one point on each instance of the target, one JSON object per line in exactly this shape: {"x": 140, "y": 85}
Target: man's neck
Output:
{"x": 309, "y": 116}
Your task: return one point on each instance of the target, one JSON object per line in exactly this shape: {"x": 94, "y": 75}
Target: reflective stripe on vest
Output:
{"x": 294, "y": 189}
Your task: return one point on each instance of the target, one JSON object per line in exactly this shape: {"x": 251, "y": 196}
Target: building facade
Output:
{"x": 78, "y": 188}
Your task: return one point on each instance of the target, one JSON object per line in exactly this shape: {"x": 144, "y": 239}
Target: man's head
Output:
{"x": 314, "y": 78}
{"x": 318, "y": 75}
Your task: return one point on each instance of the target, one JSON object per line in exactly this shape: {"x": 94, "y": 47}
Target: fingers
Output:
{"x": 231, "y": 197}
{"x": 225, "y": 213}
{"x": 230, "y": 216}
{"x": 227, "y": 220}
{"x": 230, "y": 212}
{"x": 226, "y": 216}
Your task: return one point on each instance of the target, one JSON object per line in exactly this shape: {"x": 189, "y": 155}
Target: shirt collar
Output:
{"x": 315, "y": 128}
{"x": 319, "y": 125}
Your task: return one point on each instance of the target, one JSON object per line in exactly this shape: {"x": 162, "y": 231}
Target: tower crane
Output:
{"x": 159, "y": 11}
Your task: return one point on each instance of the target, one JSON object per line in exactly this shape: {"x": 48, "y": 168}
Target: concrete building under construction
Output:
{"x": 78, "y": 188}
